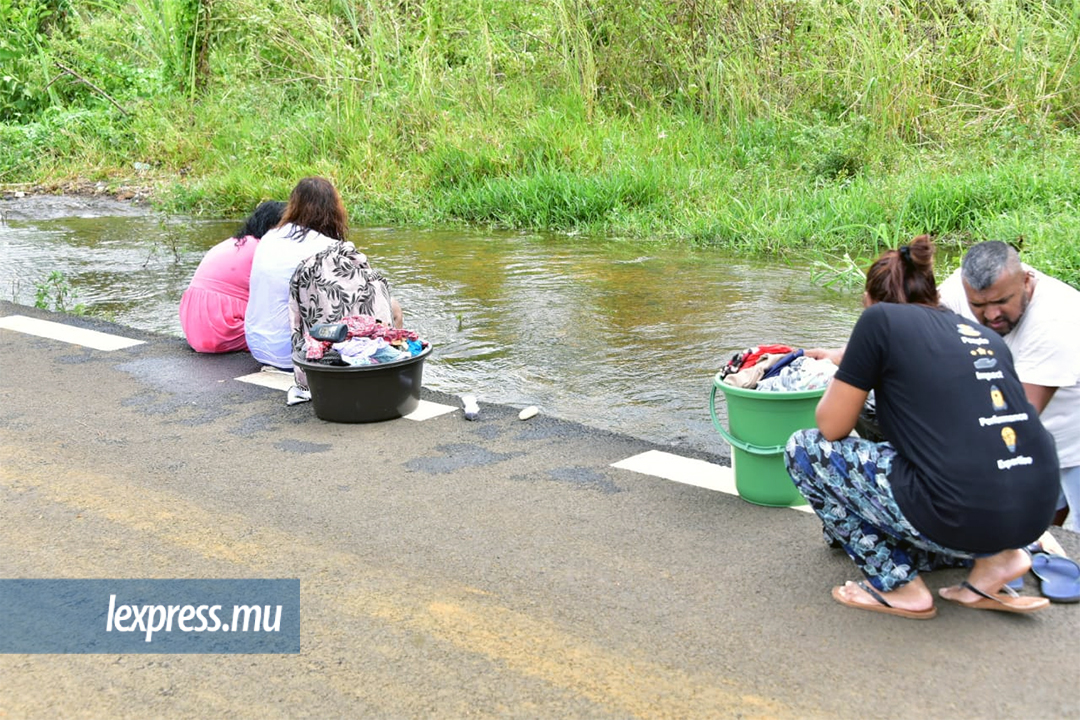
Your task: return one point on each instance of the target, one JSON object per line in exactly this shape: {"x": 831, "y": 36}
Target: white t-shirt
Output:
{"x": 266, "y": 324}
{"x": 1045, "y": 345}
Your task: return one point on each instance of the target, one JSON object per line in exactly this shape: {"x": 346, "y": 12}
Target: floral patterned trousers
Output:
{"x": 846, "y": 482}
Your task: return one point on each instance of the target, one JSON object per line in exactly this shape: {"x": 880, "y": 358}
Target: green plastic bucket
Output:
{"x": 760, "y": 424}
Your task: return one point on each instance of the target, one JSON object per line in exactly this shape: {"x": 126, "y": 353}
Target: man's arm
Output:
{"x": 1039, "y": 395}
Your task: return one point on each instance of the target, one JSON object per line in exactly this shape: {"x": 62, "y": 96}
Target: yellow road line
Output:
{"x": 626, "y": 683}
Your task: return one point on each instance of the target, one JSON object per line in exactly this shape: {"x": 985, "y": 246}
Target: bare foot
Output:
{"x": 914, "y": 596}
{"x": 990, "y": 574}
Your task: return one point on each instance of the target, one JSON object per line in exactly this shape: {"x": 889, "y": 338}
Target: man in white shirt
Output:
{"x": 1039, "y": 318}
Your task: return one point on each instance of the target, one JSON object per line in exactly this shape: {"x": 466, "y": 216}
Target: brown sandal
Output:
{"x": 883, "y": 605}
{"x": 1009, "y": 601}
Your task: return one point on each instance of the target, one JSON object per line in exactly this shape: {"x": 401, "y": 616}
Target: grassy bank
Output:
{"x": 822, "y": 127}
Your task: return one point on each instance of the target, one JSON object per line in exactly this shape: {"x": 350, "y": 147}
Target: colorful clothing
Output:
{"x": 749, "y": 377}
{"x": 969, "y": 469}
{"x": 803, "y": 373}
{"x": 976, "y": 471}
{"x": 213, "y": 307}
{"x": 750, "y": 356}
{"x": 847, "y": 484}
{"x": 365, "y": 327}
{"x": 328, "y": 287}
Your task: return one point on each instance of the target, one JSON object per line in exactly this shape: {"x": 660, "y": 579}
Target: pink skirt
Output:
{"x": 212, "y": 322}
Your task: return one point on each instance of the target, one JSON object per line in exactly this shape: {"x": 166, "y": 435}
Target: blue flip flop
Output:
{"x": 1058, "y": 575}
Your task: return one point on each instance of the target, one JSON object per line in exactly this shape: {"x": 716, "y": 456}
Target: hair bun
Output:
{"x": 921, "y": 250}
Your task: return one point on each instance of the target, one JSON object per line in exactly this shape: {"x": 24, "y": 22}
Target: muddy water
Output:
{"x": 618, "y": 335}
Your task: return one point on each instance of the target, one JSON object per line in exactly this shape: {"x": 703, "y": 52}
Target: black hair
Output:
{"x": 266, "y": 216}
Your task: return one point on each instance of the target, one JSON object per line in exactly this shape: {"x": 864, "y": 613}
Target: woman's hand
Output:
{"x": 834, "y": 354}
{"x": 397, "y": 316}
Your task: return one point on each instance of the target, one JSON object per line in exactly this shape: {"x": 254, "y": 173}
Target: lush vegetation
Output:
{"x": 825, "y": 126}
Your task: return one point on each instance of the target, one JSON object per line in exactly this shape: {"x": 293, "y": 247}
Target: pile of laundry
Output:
{"x": 368, "y": 342}
{"x": 776, "y": 368}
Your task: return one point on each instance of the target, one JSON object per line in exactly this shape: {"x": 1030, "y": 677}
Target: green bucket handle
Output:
{"x": 734, "y": 441}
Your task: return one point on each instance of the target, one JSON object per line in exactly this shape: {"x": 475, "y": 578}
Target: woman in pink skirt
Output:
{"x": 212, "y": 308}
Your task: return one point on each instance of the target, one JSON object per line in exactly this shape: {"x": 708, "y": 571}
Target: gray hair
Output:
{"x": 984, "y": 263}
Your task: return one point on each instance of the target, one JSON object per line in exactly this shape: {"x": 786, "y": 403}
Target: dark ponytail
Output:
{"x": 904, "y": 275}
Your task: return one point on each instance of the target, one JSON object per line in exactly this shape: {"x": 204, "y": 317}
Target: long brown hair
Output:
{"x": 314, "y": 204}
{"x": 904, "y": 275}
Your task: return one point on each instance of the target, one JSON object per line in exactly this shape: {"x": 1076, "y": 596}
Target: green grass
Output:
{"x": 826, "y": 129}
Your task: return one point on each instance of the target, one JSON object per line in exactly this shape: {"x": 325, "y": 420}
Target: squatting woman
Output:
{"x": 967, "y": 473}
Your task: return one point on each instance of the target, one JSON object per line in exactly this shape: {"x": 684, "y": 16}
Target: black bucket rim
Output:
{"x": 308, "y": 365}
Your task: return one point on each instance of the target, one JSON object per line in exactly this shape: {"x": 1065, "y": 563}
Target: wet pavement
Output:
{"x": 495, "y": 568}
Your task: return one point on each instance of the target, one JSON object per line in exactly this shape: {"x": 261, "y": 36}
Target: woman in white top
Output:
{"x": 314, "y": 219}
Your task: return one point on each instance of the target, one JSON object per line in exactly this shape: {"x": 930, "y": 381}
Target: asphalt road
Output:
{"x": 495, "y": 568}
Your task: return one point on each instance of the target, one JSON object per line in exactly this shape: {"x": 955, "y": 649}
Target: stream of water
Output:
{"x": 624, "y": 336}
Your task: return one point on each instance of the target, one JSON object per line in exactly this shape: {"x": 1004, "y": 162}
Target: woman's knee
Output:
{"x": 797, "y": 458}
{"x": 805, "y": 438}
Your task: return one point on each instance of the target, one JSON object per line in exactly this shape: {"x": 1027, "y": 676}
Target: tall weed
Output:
{"x": 832, "y": 126}
{"x": 25, "y": 83}
{"x": 167, "y": 33}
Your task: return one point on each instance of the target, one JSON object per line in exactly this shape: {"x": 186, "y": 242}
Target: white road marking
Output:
{"x": 681, "y": 469}
{"x": 427, "y": 410}
{"x": 66, "y": 333}
{"x": 281, "y": 380}
{"x": 688, "y": 471}
{"x": 275, "y": 380}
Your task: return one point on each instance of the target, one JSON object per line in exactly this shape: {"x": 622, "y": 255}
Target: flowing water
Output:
{"x": 618, "y": 335}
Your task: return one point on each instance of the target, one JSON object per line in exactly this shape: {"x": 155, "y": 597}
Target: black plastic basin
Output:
{"x": 365, "y": 393}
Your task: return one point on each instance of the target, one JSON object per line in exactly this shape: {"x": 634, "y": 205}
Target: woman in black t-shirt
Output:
{"x": 968, "y": 472}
